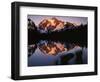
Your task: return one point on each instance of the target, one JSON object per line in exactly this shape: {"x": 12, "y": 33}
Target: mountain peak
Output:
{"x": 51, "y": 24}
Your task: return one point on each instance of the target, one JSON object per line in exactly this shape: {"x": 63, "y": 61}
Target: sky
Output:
{"x": 77, "y": 20}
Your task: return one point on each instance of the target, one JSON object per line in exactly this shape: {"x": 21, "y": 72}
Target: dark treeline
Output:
{"x": 75, "y": 35}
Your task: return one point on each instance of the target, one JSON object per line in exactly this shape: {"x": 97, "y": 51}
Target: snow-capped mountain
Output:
{"x": 52, "y": 25}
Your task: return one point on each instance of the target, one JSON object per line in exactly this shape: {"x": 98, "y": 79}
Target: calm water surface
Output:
{"x": 45, "y": 53}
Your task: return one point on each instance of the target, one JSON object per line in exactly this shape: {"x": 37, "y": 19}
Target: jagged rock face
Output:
{"x": 52, "y": 24}
{"x": 68, "y": 24}
{"x": 31, "y": 25}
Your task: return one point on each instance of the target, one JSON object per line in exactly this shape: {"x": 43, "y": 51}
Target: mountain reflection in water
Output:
{"x": 46, "y": 53}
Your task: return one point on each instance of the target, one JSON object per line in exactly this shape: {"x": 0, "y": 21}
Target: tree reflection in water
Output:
{"x": 46, "y": 53}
